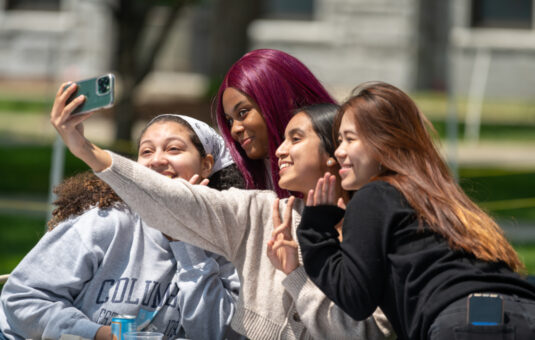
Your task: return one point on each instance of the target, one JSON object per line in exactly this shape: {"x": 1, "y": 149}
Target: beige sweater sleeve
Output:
{"x": 204, "y": 217}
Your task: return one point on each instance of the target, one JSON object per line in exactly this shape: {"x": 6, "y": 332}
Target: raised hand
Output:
{"x": 282, "y": 250}
{"x": 71, "y": 129}
{"x": 325, "y": 193}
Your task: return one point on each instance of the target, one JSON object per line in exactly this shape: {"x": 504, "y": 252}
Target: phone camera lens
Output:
{"x": 103, "y": 85}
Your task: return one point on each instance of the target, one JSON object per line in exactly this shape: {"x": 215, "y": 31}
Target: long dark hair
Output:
{"x": 398, "y": 135}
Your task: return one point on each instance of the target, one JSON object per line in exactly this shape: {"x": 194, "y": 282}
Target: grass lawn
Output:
{"x": 19, "y": 235}
{"x": 33, "y": 168}
{"x": 505, "y": 194}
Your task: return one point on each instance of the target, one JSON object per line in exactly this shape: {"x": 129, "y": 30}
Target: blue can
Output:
{"x": 122, "y": 324}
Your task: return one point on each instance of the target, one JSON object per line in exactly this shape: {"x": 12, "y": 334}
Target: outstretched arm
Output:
{"x": 207, "y": 218}
{"x": 204, "y": 217}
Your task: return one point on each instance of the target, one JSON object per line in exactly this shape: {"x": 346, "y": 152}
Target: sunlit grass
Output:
{"x": 36, "y": 106}
{"x": 494, "y": 110}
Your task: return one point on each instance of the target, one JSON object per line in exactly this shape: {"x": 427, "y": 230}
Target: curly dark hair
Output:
{"x": 226, "y": 178}
{"x": 78, "y": 193}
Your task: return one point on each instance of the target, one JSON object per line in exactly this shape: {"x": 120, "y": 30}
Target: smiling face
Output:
{"x": 166, "y": 148}
{"x": 246, "y": 123}
{"x": 302, "y": 159}
{"x": 356, "y": 161}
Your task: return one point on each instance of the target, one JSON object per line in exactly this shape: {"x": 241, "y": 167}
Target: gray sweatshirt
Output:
{"x": 102, "y": 263}
{"x": 237, "y": 224}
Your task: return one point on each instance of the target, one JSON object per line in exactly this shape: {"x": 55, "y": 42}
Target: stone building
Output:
{"x": 410, "y": 43}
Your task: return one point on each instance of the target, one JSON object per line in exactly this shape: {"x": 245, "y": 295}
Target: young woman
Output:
{"x": 254, "y": 105}
{"x": 233, "y": 223}
{"x": 414, "y": 244}
{"x": 101, "y": 260}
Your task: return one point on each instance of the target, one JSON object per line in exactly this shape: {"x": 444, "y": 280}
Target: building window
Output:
{"x": 288, "y": 9}
{"x": 502, "y": 14}
{"x": 33, "y": 5}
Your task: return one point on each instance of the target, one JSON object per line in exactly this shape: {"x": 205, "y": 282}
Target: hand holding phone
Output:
{"x": 98, "y": 92}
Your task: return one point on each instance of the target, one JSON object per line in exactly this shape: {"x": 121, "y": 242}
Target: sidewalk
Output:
{"x": 499, "y": 154}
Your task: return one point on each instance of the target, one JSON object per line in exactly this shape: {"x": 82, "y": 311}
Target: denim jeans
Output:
{"x": 518, "y": 322}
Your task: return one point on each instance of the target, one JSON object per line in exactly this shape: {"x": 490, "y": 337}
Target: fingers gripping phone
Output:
{"x": 98, "y": 92}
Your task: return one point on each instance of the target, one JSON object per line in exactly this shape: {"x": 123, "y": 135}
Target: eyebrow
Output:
{"x": 346, "y": 132}
{"x": 167, "y": 140}
{"x": 295, "y": 130}
{"x": 238, "y": 104}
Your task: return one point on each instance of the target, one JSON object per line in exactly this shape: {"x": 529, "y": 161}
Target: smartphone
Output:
{"x": 98, "y": 92}
{"x": 485, "y": 309}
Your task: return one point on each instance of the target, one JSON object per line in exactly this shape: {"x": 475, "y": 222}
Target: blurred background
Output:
{"x": 469, "y": 64}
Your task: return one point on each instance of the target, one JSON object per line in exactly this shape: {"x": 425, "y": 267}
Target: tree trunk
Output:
{"x": 229, "y": 32}
{"x": 132, "y": 63}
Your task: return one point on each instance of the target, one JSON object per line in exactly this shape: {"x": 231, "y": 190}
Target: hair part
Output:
{"x": 223, "y": 179}
{"x": 398, "y": 136}
{"x": 277, "y": 83}
{"x": 176, "y": 119}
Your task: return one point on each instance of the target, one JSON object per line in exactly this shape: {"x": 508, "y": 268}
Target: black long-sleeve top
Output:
{"x": 385, "y": 260}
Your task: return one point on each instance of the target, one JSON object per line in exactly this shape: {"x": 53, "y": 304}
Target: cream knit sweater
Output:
{"x": 237, "y": 224}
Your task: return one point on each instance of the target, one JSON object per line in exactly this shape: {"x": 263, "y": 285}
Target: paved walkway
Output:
{"x": 500, "y": 154}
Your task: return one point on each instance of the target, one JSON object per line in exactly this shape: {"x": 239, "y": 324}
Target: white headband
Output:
{"x": 211, "y": 141}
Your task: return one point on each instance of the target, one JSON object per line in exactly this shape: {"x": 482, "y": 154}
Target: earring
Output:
{"x": 330, "y": 162}
{"x": 380, "y": 167}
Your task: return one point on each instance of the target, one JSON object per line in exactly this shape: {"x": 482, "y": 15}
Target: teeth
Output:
{"x": 283, "y": 165}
